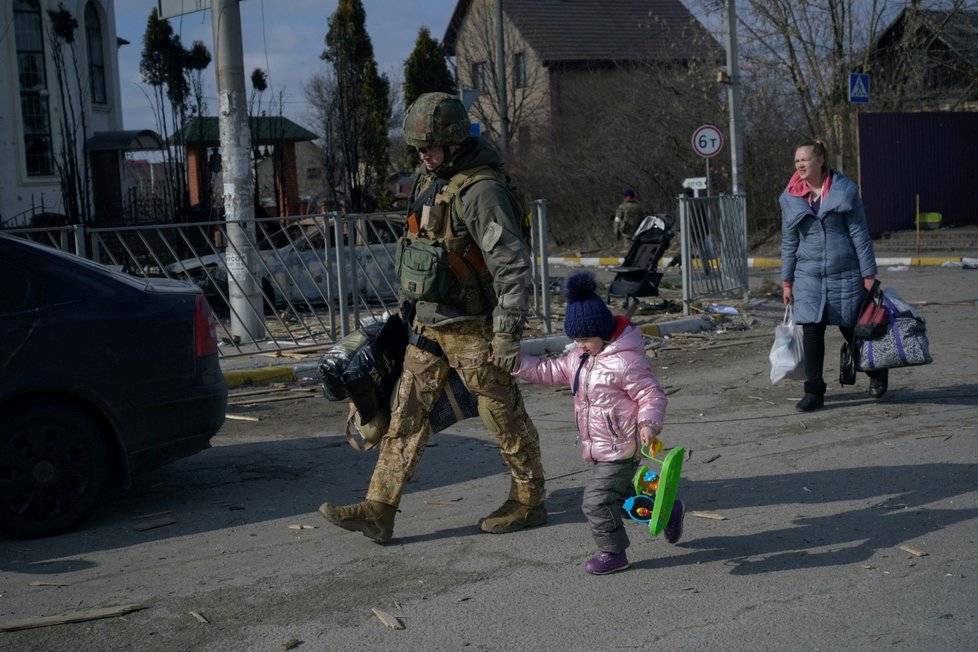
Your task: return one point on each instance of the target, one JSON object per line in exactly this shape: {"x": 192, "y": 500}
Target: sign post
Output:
{"x": 707, "y": 143}
{"x": 859, "y": 85}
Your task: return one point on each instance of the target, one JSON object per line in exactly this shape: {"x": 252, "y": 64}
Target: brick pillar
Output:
{"x": 288, "y": 180}
{"x": 198, "y": 177}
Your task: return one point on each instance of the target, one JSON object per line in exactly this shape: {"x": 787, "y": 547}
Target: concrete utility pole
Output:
{"x": 247, "y": 310}
{"x": 733, "y": 98}
{"x": 501, "y": 76}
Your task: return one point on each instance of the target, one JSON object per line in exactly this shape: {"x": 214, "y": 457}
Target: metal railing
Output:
{"x": 318, "y": 277}
{"x": 713, "y": 246}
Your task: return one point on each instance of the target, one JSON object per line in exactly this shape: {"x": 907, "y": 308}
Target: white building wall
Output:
{"x": 20, "y": 194}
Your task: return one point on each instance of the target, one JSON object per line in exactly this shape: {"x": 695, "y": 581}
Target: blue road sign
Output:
{"x": 859, "y": 88}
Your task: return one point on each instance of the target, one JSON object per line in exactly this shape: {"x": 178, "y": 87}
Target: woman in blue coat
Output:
{"x": 827, "y": 261}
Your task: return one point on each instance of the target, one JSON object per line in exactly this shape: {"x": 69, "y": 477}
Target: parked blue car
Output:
{"x": 102, "y": 376}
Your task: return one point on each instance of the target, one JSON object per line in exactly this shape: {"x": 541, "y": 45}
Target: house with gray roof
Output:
{"x": 927, "y": 60}
{"x": 556, "y": 48}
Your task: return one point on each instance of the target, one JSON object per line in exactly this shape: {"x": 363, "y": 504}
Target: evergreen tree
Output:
{"x": 363, "y": 105}
{"x": 174, "y": 73}
{"x": 426, "y": 69}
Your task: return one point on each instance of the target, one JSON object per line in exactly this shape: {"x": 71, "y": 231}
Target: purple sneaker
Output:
{"x": 674, "y": 528}
{"x": 606, "y": 562}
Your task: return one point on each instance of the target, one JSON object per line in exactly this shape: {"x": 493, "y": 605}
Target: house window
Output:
{"x": 33, "y": 84}
{"x": 480, "y": 76}
{"x": 96, "y": 60}
{"x": 519, "y": 69}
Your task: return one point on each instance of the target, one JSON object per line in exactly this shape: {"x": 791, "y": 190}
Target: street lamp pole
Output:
{"x": 501, "y": 77}
{"x": 733, "y": 98}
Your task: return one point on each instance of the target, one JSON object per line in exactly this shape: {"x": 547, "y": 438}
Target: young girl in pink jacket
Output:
{"x": 619, "y": 404}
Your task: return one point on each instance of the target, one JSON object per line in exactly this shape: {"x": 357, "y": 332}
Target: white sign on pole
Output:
{"x": 695, "y": 183}
{"x": 174, "y": 8}
{"x": 707, "y": 141}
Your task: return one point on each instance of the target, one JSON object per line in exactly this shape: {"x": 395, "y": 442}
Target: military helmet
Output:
{"x": 436, "y": 119}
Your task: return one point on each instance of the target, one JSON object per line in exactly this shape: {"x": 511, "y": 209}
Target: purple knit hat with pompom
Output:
{"x": 587, "y": 315}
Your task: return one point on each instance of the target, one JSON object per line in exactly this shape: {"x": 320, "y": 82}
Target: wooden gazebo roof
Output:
{"x": 265, "y": 130}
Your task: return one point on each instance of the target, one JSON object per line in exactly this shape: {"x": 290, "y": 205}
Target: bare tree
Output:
{"x": 629, "y": 127}
{"x": 322, "y": 96}
{"x": 796, "y": 58}
{"x": 477, "y": 68}
{"x": 815, "y": 46}
{"x": 73, "y": 166}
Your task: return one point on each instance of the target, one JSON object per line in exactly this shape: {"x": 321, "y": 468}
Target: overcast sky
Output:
{"x": 283, "y": 37}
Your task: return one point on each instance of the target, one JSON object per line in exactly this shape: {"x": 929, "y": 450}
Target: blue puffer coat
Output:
{"x": 827, "y": 255}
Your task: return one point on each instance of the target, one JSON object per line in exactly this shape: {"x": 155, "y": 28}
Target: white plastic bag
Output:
{"x": 787, "y": 354}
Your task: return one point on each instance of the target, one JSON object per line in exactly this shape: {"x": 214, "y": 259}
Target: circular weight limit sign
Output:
{"x": 707, "y": 141}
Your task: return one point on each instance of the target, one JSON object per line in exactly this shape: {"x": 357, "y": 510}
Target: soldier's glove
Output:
{"x": 506, "y": 351}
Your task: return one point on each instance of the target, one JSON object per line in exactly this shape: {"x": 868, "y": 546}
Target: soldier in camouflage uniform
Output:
{"x": 627, "y": 217}
{"x": 471, "y": 320}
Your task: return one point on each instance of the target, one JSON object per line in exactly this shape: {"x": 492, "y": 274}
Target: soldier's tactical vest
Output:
{"x": 433, "y": 263}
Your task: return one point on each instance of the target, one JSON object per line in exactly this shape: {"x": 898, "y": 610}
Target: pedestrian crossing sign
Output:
{"x": 858, "y": 88}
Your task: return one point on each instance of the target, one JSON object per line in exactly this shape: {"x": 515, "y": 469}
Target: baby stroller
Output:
{"x": 638, "y": 275}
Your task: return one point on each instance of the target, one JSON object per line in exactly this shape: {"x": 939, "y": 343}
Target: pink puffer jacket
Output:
{"x": 616, "y": 391}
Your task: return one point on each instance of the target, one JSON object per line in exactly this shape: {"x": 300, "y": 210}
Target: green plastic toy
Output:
{"x": 655, "y": 493}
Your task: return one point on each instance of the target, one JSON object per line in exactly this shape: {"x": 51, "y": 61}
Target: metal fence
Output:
{"x": 714, "y": 247}
{"x": 311, "y": 279}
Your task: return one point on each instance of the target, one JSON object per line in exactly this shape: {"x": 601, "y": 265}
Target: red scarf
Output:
{"x": 799, "y": 188}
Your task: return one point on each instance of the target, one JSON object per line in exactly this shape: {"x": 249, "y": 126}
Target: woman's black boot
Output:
{"x": 879, "y": 383}
{"x": 814, "y": 398}
{"x": 811, "y": 402}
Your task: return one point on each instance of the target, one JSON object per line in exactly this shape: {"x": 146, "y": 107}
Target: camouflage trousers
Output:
{"x": 467, "y": 349}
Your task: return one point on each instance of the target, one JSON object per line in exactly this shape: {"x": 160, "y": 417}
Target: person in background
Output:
{"x": 619, "y": 404}
{"x": 628, "y": 216}
{"x": 827, "y": 262}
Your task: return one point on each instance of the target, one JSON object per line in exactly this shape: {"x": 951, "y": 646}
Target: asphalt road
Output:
{"x": 852, "y": 528}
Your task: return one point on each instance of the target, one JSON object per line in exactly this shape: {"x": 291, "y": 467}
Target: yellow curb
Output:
{"x": 764, "y": 262}
{"x": 650, "y": 329}
{"x": 259, "y": 376}
{"x": 933, "y": 261}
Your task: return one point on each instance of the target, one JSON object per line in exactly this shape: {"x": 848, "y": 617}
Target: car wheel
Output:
{"x": 54, "y": 467}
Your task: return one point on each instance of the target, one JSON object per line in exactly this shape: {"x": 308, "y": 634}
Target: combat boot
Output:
{"x": 375, "y": 520}
{"x": 513, "y": 516}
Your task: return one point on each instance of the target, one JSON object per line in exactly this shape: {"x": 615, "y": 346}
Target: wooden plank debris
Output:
{"x": 710, "y": 515}
{"x": 916, "y": 552}
{"x": 272, "y": 389}
{"x": 240, "y": 417}
{"x": 290, "y": 644}
{"x": 200, "y": 617}
{"x": 270, "y": 399}
{"x": 392, "y": 622}
{"x": 151, "y": 515}
{"x": 74, "y": 617}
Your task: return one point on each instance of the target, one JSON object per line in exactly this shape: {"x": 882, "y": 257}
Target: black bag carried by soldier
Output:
{"x": 365, "y": 366}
